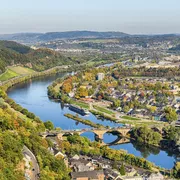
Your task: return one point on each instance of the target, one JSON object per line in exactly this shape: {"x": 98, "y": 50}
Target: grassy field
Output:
{"x": 130, "y": 118}
{"x": 8, "y": 75}
{"x": 104, "y": 110}
{"x": 80, "y": 104}
{"x": 21, "y": 70}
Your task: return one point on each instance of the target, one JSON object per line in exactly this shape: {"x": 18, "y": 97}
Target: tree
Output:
{"x": 67, "y": 87}
{"x": 176, "y": 170}
{"x": 172, "y": 134}
{"x": 116, "y": 103}
{"x": 122, "y": 170}
{"x": 81, "y": 92}
{"x": 125, "y": 109}
{"x": 114, "y": 165}
{"x": 171, "y": 114}
{"x": 91, "y": 92}
{"x": 146, "y": 135}
{"x": 49, "y": 125}
{"x": 152, "y": 109}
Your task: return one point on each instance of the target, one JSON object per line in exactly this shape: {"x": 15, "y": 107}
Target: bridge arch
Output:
{"x": 99, "y": 133}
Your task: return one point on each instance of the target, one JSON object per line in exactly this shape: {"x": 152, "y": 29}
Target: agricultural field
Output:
{"x": 14, "y": 71}
{"x": 8, "y": 75}
{"x": 21, "y": 70}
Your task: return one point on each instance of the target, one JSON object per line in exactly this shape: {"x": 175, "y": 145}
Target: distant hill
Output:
{"x": 50, "y": 36}
{"x": 81, "y": 34}
{"x": 31, "y": 38}
{"x": 40, "y": 59}
{"x": 21, "y": 37}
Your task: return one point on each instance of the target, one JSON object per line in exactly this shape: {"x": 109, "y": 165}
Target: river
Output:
{"x": 33, "y": 96}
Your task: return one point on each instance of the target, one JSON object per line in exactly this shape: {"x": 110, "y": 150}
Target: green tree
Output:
{"x": 116, "y": 103}
{"x": 171, "y": 114}
{"x": 146, "y": 135}
{"x": 176, "y": 170}
{"x": 152, "y": 109}
{"x": 122, "y": 170}
{"x": 125, "y": 109}
{"x": 114, "y": 165}
{"x": 49, "y": 125}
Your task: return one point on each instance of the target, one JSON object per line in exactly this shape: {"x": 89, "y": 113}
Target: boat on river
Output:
{"x": 79, "y": 110}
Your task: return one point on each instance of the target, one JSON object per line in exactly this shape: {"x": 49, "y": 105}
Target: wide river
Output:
{"x": 33, "y": 96}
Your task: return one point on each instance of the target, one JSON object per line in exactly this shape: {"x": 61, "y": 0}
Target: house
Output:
{"x": 81, "y": 165}
{"x": 133, "y": 178}
{"x": 100, "y": 76}
{"x": 88, "y": 175}
{"x": 111, "y": 174}
{"x": 130, "y": 171}
{"x": 71, "y": 94}
{"x": 75, "y": 157}
{"x": 155, "y": 176}
{"x": 58, "y": 153}
{"x": 177, "y": 106}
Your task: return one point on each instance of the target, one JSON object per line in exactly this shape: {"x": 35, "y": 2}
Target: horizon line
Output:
{"x": 149, "y": 34}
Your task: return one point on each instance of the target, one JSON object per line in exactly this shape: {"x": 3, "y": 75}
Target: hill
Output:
{"x": 14, "y": 53}
{"x": 50, "y": 36}
{"x": 31, "y": 38}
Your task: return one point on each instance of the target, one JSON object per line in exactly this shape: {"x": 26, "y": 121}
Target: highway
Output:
{"x": 35, "y": 167}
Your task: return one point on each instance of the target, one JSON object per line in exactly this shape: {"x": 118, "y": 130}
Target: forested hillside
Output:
{"x": 19, "y": 127}
{"x": 14, "y": 53}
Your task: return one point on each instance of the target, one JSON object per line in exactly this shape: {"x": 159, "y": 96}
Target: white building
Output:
{"x": 100, "y": 76}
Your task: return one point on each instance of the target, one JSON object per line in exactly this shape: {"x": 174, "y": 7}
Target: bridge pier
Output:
{"x": 98, "y": 139}
{"x": 44, "y": 136}
{"x": 100, "y": 136}
{"x": 60, "y": 136}
{"x": 123, "y": 133}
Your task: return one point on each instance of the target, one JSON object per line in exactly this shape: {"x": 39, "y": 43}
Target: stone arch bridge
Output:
{"x": 121, "y": 132}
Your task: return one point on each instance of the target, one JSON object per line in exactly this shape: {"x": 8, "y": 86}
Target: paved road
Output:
{"x": 35, "y": 166}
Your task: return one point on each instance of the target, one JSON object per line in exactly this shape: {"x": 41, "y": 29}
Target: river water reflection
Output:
{"x": 33, "y": 96}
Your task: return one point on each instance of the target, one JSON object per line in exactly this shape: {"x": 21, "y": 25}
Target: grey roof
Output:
{"x": 79, "y": 161}
{"x": 89, "y": 174}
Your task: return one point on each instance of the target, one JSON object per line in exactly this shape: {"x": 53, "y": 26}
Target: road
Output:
{"x": 35, "y": 167}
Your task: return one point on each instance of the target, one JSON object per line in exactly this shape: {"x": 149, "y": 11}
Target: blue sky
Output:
{"x": 130, "y": 16}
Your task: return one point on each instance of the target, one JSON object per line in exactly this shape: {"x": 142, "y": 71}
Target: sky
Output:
{"x": 129, "y": 16}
